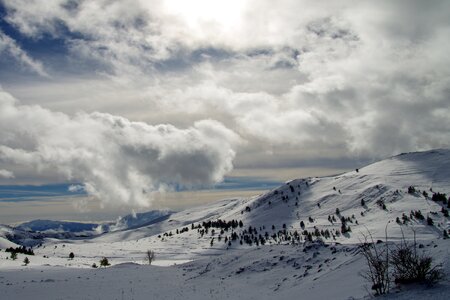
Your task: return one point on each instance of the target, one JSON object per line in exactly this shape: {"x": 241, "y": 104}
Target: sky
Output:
{"x": 124, "y": 101}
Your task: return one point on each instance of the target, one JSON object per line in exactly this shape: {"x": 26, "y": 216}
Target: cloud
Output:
{"x": 76, "y": 188}
{"x": 6, "y": 174}
{"x": 118, "y": 161}
{"x": 314, "y": 80}
{"x": 10, "y": 47}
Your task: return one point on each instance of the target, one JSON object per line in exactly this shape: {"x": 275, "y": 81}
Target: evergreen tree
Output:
{"x": 302, "y": 224}
{"x": 104, "y": 262}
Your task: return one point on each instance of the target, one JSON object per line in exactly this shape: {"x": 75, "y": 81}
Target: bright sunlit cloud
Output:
{"x": 199, "y": 14}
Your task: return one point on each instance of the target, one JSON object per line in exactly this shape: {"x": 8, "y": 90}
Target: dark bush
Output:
{"x": 438, "y": 197}
{"x": 104, "y": 262}
{"x": 418, "y": 215}
{"x": 22, "y": 250}
{"x": 411, "y": 267}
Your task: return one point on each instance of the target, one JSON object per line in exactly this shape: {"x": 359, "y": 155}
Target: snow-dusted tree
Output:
{"x": 150, "y": 256}
{"x": 26, "y": 261}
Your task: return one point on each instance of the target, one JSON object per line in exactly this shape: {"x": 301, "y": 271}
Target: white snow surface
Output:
{"x": 188, "y": 266}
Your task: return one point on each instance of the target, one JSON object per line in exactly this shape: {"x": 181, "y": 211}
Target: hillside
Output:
{"x": 308, "y": 227}
{"x": 382, "y": 183}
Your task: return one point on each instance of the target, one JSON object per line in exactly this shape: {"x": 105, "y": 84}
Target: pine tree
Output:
{"x": 26, "y": 261}
{"x": 104, "y": 262}
{"x": 302, "y": 224}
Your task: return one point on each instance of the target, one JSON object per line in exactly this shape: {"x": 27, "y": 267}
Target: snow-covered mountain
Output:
{"x": 56, "y": 226}
{"x": 136, "y": 220}
{"x": 263, "y": 235}
{"x": 13, "y": 237}
{"x": 51, "y": 228}
{"x": 370, "y": 199}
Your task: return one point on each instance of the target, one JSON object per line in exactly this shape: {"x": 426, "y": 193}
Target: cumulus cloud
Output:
{"x": 118, "y": 161}
{"x": 301, "y": 79}
{"x": 6, "y": 174}
{"x": 74, "y": 188}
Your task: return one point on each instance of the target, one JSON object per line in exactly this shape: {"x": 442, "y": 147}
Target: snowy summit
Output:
{"x": 290, "y": 241}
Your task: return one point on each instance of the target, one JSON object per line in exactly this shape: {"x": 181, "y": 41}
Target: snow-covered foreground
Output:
{"x": 314, "y": 271}
{"x": 261, "y": 249}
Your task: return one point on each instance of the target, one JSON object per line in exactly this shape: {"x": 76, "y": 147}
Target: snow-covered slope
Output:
{"x": 5, "y": 243}
{"x": 14, "y": 237}
{"x": 382, "y": 187}
{"x": 391, "y": 196}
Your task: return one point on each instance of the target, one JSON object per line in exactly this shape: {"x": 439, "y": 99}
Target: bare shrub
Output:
{"x": 150, "y": 256}
{"x": 377, "y": 259}
{"x": 412, "y": 267}
{"x": 403, "y": 262}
